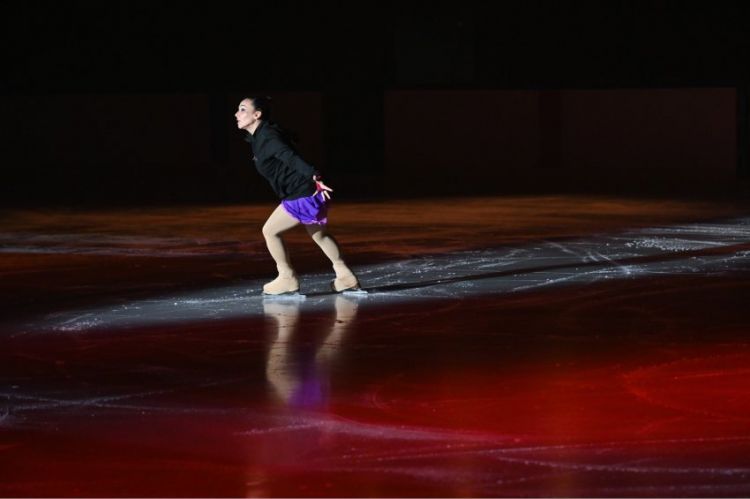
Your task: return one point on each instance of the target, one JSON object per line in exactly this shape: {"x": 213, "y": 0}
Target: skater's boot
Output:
{"x": 345, "y": 278}
{"x": 286, "y": 282}
{"x": 281, "y": 285}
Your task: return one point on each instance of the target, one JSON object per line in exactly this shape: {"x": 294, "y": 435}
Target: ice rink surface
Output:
{"x": 553, "y": 346}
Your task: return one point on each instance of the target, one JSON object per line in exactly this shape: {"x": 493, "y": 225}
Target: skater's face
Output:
{"x": 246, "y": 114}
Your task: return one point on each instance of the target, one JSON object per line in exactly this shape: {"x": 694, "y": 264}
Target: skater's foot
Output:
{"x": 281, "y": 285}
{"x": 349, "y": 282}
{"x": 345, "y": 278}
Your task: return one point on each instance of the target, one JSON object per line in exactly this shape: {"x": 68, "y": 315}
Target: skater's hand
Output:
{"x": 320, "y": 186}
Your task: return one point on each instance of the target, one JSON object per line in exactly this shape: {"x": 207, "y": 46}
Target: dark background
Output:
{"x": 132, "y": 103}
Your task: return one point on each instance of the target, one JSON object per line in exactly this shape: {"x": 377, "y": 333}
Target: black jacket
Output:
{"x": 290, "y": 176}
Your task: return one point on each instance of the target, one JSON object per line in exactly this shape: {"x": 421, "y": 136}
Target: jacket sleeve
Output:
{"x": 285, "y": 153}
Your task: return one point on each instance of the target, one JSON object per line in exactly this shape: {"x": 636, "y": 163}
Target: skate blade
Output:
{"x": 356, "y": 290}
{"x": 288, "y": 295}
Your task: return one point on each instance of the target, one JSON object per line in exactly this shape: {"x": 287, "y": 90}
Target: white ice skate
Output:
{"x": 348, "y": 284}
{"x": 282, "y": 285}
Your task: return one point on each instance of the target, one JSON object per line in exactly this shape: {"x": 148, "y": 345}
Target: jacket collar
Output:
{"x": 250, "y": 137}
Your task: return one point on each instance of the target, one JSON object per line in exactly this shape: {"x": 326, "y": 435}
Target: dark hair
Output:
{"x": 262, "y": 103}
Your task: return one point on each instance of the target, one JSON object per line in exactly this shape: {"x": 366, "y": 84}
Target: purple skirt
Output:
{"x": 308, "y": 210}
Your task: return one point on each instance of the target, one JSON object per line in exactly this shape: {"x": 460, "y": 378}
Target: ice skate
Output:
{"x": 282, "y": 285}
{"x": 346, "y": 283}
{"x": 345, "y": 280}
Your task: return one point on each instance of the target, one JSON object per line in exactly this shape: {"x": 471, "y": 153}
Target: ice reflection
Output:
{"x": 298, "y": 370}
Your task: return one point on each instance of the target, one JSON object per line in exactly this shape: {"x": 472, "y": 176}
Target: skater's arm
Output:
{"x": 286, "y": 154}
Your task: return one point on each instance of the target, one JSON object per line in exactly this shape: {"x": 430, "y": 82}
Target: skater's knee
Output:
{"x": 269, "y": 231}
{"x": 317, "y": 232}
{"x": 273, "y": 227}
{"x": 319, "y": 237}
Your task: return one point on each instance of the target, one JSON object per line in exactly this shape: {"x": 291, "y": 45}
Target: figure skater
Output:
{"x": 304, "y": 197}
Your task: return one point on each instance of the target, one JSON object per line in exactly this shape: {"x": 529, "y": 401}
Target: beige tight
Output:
{"x": 280, "y": 221}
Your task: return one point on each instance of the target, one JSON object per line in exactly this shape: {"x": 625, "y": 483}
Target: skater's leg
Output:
{"x": 278, "y": 222}
{"x": 322, "y": 236}
{"x": 326, "y": 241}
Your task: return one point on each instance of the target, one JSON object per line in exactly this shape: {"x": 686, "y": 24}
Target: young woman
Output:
{"x": 304, "y": 197}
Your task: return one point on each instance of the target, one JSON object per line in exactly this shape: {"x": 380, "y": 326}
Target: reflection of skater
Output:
{"x": 304, "y": 197}
{"x": 297, "y": 371}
